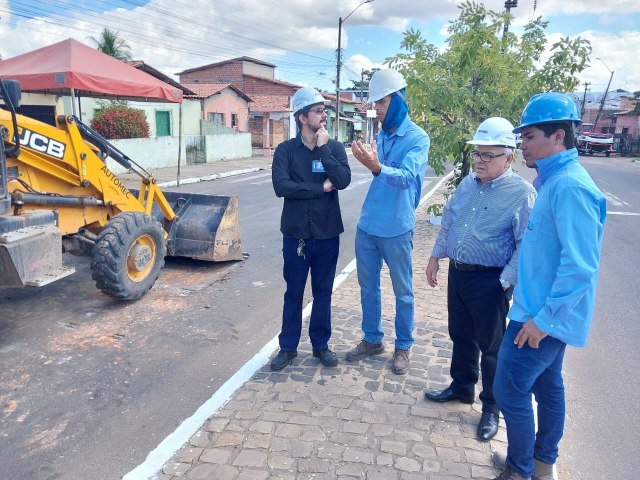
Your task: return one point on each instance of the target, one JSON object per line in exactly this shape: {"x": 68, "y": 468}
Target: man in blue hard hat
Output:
{"x": 388, "y": 217}
{"x": 307, "y": 172}
{"x": 554, "y": 297}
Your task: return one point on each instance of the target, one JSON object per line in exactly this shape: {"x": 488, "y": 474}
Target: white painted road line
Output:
{"x": 618, "y": 202}
{"x": 252, "y": 177}
{"x": 160, "y": 455}
{"x": 357, "y": 183}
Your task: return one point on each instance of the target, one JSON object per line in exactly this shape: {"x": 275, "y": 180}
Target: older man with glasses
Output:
{"x": 482, "y": 227}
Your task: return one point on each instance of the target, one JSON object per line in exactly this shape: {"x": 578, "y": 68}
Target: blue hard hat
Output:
{"x": 549, "y": 107}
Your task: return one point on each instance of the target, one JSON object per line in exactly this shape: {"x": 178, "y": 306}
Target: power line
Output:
{"x": 29, "y": 10}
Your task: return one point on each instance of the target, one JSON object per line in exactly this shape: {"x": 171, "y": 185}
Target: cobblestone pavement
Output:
{"x": 356, "y": 420}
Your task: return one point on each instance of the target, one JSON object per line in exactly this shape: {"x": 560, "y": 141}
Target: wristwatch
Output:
{"x": 504, "y": 283}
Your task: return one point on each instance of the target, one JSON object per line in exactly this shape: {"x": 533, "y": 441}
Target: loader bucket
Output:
{"x": 206, "y": 226}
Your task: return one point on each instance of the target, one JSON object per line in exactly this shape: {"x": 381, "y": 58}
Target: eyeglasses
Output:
{"x": 485, "y": 157}
{"x": 318, "y": 110}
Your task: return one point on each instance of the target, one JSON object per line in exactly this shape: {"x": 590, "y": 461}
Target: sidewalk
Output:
{"x": 167, "y": 177}
{"x": 357, "y": 420}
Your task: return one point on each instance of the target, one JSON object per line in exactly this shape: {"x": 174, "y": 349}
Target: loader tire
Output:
{"x": 128, "y": 255}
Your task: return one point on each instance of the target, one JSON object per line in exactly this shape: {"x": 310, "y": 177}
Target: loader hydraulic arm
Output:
{"x": 105, "y": 147}
{"x": 10, "y": 91}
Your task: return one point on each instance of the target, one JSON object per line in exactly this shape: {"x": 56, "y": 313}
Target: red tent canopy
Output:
{"x": 70, "y": 64}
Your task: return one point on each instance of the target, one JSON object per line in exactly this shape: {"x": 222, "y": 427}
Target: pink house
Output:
{"x": 627, "y": 124}
{"x": 222, "y": 103}
{"x": 270, "y": 110}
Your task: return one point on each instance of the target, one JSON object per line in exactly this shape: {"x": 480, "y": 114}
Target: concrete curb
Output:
{"x": 213, "y": 176}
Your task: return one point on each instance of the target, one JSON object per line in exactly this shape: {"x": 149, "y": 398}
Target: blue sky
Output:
{"x": 300, "y": 36}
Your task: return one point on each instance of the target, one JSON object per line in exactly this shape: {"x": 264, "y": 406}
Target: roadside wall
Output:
{"x": 162, "y": 152}
{"x": 227, "y": 146}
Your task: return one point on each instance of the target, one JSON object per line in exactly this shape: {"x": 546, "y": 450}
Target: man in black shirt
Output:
{"x": 308, "y": 171}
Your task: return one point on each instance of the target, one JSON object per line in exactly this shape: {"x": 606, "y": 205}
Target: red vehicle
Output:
{"x": 591, "y": 143}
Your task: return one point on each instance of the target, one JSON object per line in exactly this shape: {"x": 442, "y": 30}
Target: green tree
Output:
{"x": 363, "y": 83}
{"x": 480, "y": 74}
{"x": 113, "y": 44}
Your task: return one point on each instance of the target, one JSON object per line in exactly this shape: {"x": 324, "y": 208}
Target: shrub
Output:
{"x": 117, "y": 120}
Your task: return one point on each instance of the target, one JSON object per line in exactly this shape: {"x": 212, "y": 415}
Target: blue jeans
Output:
{"x": 321, "y": 257}
{"x": 396, "y": 253}
{"x": 520, "y": 373}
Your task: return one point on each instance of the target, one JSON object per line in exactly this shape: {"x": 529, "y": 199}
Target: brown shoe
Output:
{"x": 507, "y": 474}
{"x": 364, "y": 349}
{"x": 401, "y": 361}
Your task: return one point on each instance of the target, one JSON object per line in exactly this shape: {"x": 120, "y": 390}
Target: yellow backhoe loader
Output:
{"x": 58, "y": 195}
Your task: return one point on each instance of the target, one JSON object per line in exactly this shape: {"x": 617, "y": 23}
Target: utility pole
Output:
{"x": 508, "y": 5}
{"x": 337, "y": 122}
{"x": 584, "y": 99}
{"x": 338, "y": 66}
{"x": 604, "y": 97}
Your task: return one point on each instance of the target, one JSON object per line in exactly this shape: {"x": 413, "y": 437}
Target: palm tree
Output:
{"x": 112, "y": 44}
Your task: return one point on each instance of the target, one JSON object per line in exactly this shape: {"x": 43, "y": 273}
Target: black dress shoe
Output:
{"x": 448, "y": 394}
{"x": 488, "y": 426}
{"x": 282, "y": 360}
{"x": 326, "y": 357}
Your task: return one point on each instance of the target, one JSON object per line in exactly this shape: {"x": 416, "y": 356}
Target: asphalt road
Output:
{"x": 89, "y": 385}
{"x": 602, "y": 434}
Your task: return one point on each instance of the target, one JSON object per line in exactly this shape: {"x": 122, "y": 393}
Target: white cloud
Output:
{"x": 577, "y": 7}
{"x": 298, "y": 36}
{"x": 359, "y": 62}
{"x": 615, "y": 53}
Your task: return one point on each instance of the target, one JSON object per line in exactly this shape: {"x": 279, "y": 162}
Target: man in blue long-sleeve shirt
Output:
{"x": 308, "y": 171}
{"x": 482, "y": 227}
{"x": 554, "y": 298}
{"x": 398, "y": 163}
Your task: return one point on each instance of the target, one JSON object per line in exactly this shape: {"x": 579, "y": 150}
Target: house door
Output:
{"x": 163, "y": 124}
{"x": 194, "y": 146}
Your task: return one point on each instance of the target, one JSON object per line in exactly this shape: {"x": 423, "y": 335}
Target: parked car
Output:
{"x": 592, "y": 143}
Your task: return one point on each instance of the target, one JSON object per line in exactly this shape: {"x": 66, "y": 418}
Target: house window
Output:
{"x": 163, "y": 123}
{"x": 234, "y": 120}
{"x": 216, "y": 117}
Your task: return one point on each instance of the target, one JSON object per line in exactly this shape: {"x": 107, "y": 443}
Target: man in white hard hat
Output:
{"x": 482, "y": 226}
{"x": 398, "y": 162}
{"x": 307, "y": 172}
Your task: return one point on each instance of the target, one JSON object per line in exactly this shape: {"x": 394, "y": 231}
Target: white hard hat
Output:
{"x": 495, "y": 131}
{"x": 307, "y": 96}
{"x": 383, "y": 83}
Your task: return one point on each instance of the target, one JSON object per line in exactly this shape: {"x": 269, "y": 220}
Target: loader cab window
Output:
{"x": 163, "y": 123}
{"x": 44, "y": 113}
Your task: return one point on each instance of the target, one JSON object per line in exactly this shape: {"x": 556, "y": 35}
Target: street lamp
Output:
{"x": 604, "y": 97}
{"x": 339, "y": 64}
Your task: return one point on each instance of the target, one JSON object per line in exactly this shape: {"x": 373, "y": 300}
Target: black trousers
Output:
{"x": 477, "y": 306}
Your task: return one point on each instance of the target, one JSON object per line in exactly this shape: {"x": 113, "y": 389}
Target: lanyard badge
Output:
{"x": 316, "y": 166}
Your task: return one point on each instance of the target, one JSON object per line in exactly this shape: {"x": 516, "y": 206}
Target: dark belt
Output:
{"x": 465, "y": 267}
